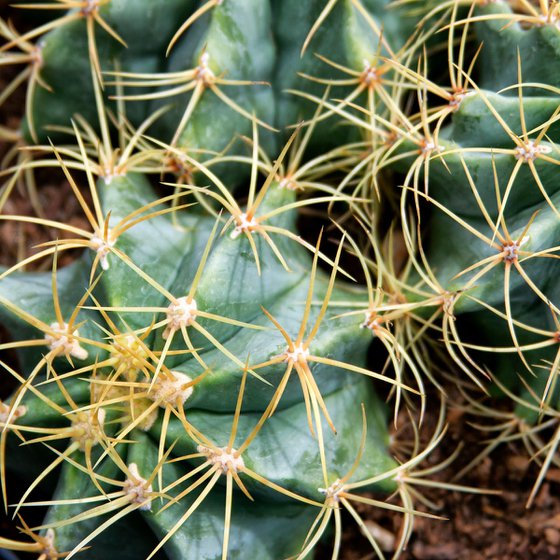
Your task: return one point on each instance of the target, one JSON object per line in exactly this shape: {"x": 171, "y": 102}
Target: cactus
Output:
{"x": 197, "y": 380}
{"x": 222, "y": 332}
{"x": 489, "y": 243}
{"x": 478, "y": 203}
{"x": 225, "y": 324}
{"x": 236, "y": 57}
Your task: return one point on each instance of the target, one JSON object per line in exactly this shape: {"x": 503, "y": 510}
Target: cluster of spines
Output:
{"x": 409, "y": 299}
{"x": 140, "y": 382}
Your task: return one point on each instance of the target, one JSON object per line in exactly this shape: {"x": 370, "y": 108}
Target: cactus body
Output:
{"x": 116, "y": 345}
{"x": 198, "y": 381}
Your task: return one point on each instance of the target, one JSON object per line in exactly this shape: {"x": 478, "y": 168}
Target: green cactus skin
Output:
{"x": 506, "y": 133}
{"x": 284, "y": 451}
{"x": 251, "y": 41}
{"x": 65, "y": 65}
{"x": 452, "y": 247}
{"x": 534, "y": 42}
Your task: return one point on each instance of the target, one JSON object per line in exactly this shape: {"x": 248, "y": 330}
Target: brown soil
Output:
{"x": 475, "y": 526}
{"x": 58, "y": 203}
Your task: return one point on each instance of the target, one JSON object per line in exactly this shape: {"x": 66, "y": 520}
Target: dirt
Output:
{"x": 475, "y": 526}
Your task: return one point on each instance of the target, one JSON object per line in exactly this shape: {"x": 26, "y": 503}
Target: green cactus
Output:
{"x": 197, "y": 380}
{"x": 478, "y": 202}
{"x": 237, "y": 57}
{"x": 487, "y": 206}
{"x": 233, "y": 335}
